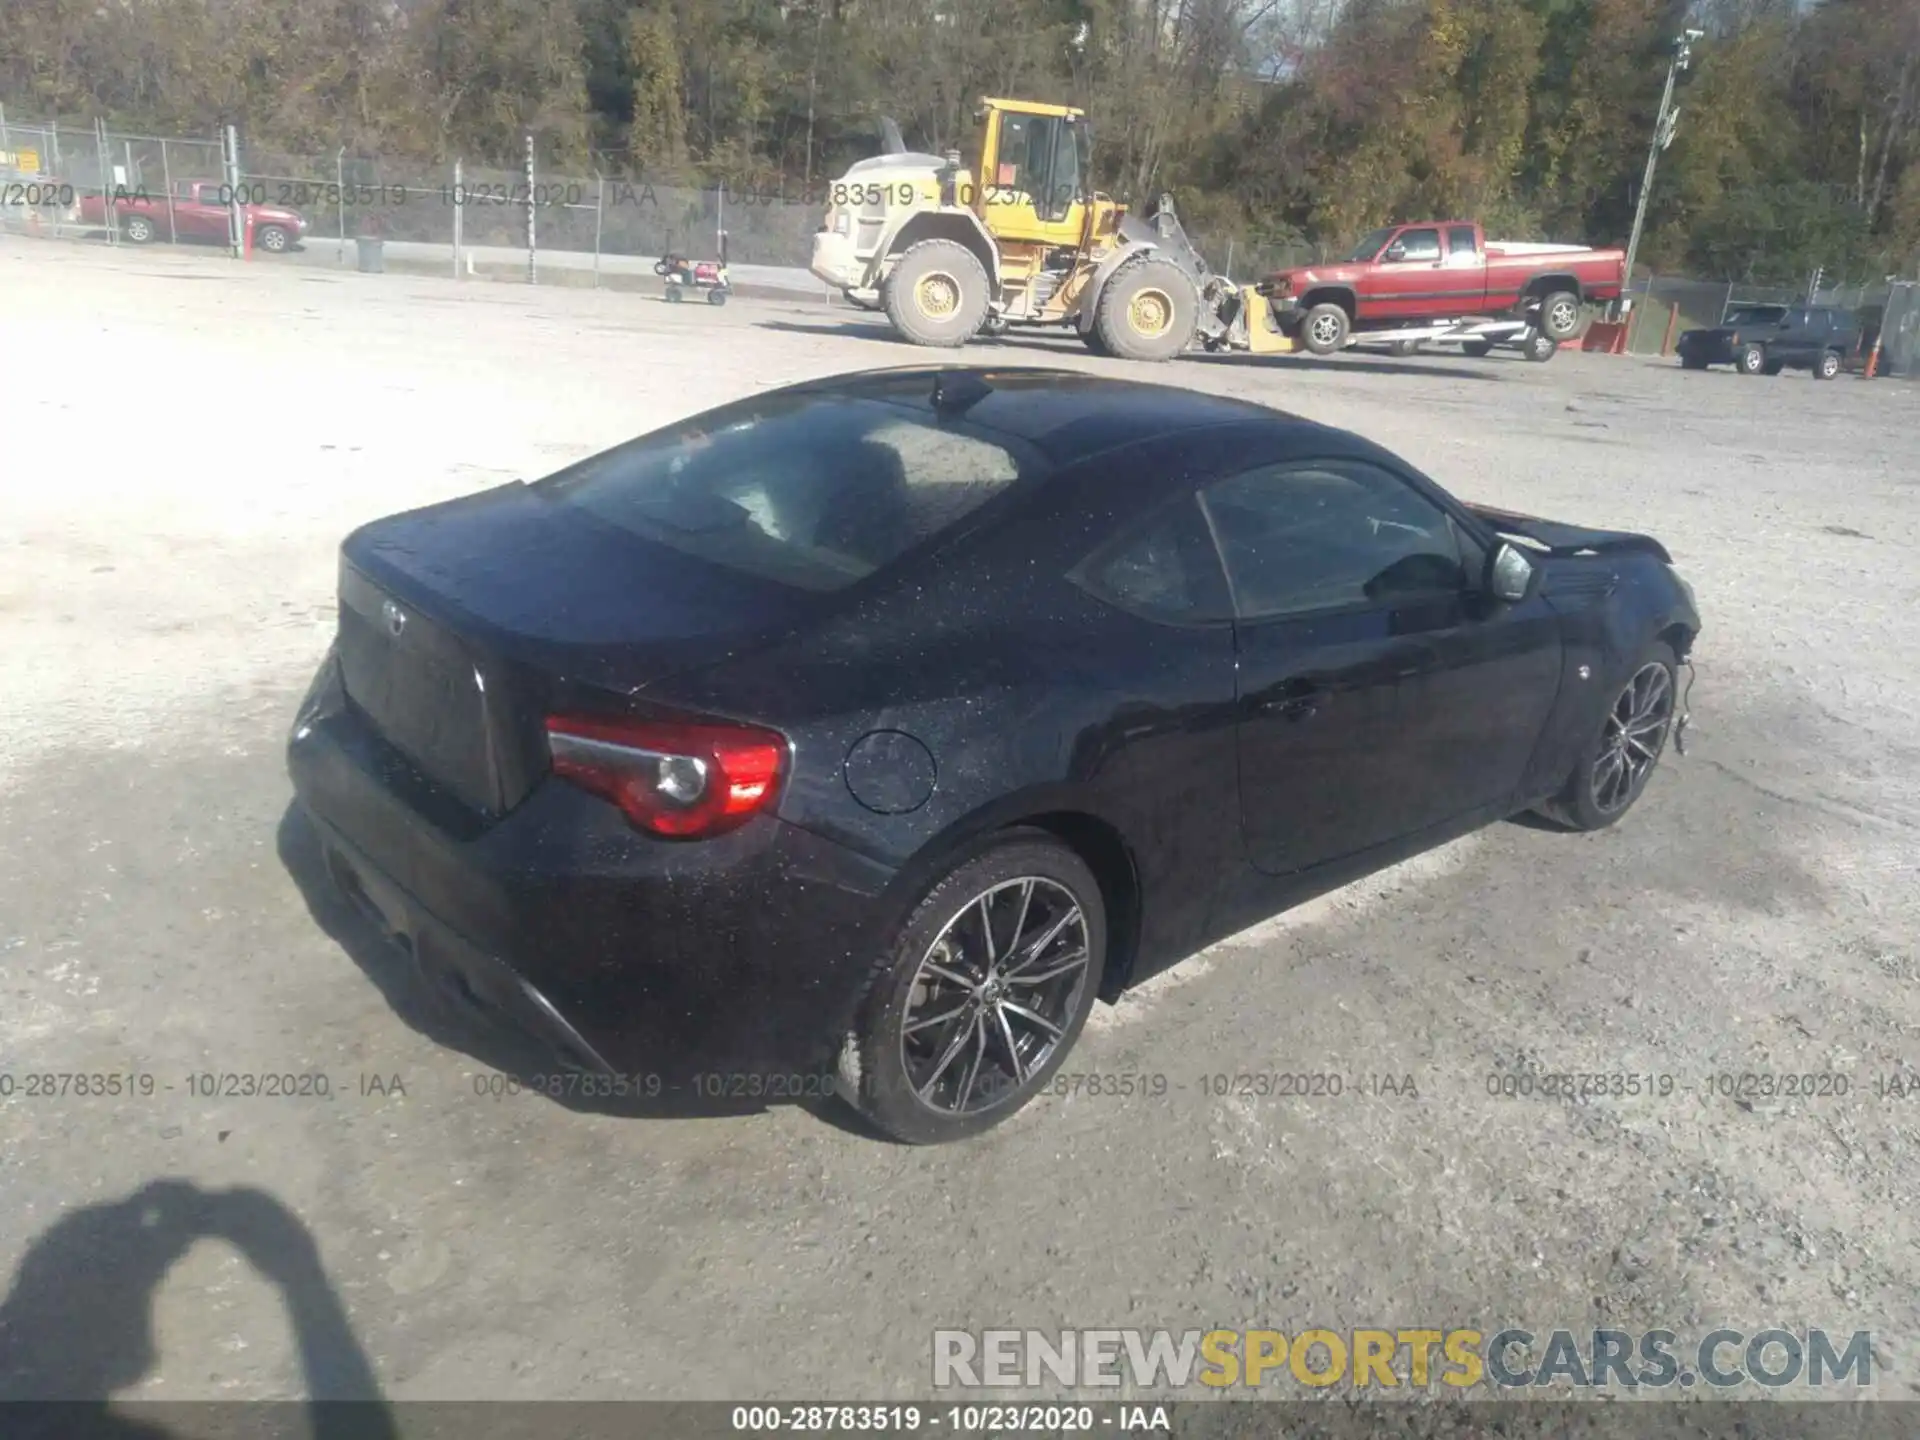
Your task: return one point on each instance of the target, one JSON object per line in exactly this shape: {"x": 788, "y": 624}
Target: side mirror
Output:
{"x": 1396, "y": 251}
{"x": 1510, "y": 574}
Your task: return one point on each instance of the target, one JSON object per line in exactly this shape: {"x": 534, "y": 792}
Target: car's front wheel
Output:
{"x": 1751, "y": 360}
{"x": 1614, "y": 768}
{"x": 272, "y": 238}
{"x": 1828, "y": 365}
{"x": 982, "y": 994}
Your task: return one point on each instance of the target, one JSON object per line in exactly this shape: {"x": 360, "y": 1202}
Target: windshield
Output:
{"x": 814, "y": 491}
{"x": 1368, "y": 248}
{"x": 1756, "y": 315}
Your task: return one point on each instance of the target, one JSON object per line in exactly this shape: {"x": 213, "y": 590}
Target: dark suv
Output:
{"x": 1766, "y": 339}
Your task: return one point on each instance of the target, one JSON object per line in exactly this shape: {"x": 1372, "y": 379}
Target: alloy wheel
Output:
{"x": 994, "y": 995}
{"x": 1326, "y": 329}
{"x": 1636, "y": 729}
{"x": 1563, "y": 317}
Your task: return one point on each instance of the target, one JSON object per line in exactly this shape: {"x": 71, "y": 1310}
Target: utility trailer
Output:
{"x": 1251, "y": 329}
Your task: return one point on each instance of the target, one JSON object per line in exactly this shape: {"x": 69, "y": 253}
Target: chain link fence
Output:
{"x": 66, "y": 178}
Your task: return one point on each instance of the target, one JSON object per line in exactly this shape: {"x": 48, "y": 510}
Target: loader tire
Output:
{"x": 1147, "y": 311}
{"x": 937, "y": 294}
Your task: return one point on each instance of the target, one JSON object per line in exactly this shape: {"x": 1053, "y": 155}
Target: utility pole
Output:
{"x": 1663, "y": 128}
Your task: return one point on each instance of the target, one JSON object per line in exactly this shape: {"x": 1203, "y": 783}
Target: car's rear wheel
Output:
{"x": 1828, "y": 367}
{"x": 1560, "y": 314}
{"x": 982, "y": 994}
{"x": 139, "y": 229}
{"x": 1751, "y": 360}
{"x": 1614, "y": 768}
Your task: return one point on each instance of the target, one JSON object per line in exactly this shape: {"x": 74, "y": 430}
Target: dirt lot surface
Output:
{"x": 185, "y": 442}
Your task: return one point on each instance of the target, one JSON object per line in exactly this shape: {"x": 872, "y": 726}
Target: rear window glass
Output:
{"x": 814, "y": 491}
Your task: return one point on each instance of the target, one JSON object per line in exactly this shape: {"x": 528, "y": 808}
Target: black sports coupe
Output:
{"x": 870, "y": 729}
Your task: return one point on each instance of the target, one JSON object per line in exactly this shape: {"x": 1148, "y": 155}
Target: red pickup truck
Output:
{"x": 1436, "y": 270}
{"x": 199, "y": 211}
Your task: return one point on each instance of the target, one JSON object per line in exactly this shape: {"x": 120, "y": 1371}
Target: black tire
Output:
{"x": 1827, "y": 366}
{"x": 1325, "y": 328}
{"x": 1147, "y": 311}
{"x": 1751, "y": 360}
{"x": 274, "y": 239}
{"x": 716, "y": 297}
{"x": 876, "y": 1072}
{"x": 1405, "y": 347}
{"x": 673, "y": 294}
{"x": 1560, "y": 315}
{"x": 139, "y": 229}
{"x": 937, "y": 294}
{"x": 1587, "y": 801}
{"x": 1539, "y": 348}
{"x": 1478, "y": 349}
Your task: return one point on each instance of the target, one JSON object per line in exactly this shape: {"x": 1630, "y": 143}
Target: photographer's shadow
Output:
{"x": 77, "y": 1324}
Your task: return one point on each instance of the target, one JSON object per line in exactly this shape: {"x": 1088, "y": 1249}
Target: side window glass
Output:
{"x": 1420, "y": 244}
{"x": 1165, "y": 570}
{"x": 1330, "y": 535}
{"x": 1460, "y": 240}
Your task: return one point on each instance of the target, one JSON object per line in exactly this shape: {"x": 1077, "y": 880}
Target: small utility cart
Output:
{"x": 682, "y": 275}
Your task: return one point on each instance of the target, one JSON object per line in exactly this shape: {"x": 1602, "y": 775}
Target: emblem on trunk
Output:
{"x": 395, "y": 617}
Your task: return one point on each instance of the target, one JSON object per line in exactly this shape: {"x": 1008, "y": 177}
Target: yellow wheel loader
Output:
{"x": 950, "y": 251}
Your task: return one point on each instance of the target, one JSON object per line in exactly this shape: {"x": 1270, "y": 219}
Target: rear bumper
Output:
{"x": 834, "y": 261}
{"x": 738, "y": 956}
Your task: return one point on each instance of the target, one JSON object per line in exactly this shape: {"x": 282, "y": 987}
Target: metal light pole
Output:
{"x": 1663, "y": 128}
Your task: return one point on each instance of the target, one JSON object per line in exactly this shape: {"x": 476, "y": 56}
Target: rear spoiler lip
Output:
{"x": 1563, "y": 541}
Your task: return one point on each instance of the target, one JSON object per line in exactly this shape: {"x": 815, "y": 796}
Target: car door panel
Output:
{"x": 1318, "y": 725}
{"x": 1381, "y": 693}
{"x": 1410, "y": 288}
{"x": 1473, "y": 710}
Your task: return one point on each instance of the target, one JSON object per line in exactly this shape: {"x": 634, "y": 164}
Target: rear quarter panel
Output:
{"x": 1034, "y": 699}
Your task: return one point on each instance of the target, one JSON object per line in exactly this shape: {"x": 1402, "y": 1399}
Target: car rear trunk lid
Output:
{"x": 462, "y": 625}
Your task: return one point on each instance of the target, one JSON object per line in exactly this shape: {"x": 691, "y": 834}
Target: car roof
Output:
{"x": 1067, "y": 415}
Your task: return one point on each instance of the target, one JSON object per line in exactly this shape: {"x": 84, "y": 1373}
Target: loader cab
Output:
{"x": 1033, "y": 183}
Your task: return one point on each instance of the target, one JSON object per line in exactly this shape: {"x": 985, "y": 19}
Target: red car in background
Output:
{"x": 198, "y": 210}
{"x": 1437, "y": 270}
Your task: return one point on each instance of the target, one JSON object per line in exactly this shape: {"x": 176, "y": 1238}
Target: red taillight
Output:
{"x": 684, "y": 779}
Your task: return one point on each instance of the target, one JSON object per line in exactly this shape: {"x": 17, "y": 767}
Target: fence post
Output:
{"x": 166, "y": 178}
{"x": 230, "y": 142}
{"x": 3, "y": 129}
{"x": 340, "y": 201}
{"x": 459, "y": 208}
{"x": 106, "y": 196}
{"x": 599, "y": 219}
{"x": 531, "y": 278}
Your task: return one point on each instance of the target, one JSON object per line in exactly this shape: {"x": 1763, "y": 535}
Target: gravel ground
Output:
{"x": 185, "y": 442}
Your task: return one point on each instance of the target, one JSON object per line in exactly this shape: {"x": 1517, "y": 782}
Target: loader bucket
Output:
{"x": 1161, "y": 227}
